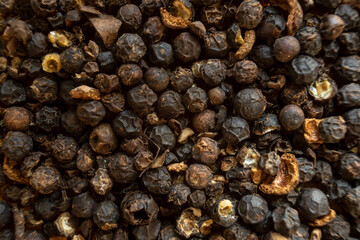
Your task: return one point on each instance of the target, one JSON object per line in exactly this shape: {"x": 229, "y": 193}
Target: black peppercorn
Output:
{"x": 349, "y": 95}
{"x": 286, "y": 48}
{"x": 130, "y": 74}
{"x": 161, "y": 54}
{"x": 351, "y": 201}
{"x": 156, "y": 78}
{"x": 271, "y": 28}
{"x": 286, "y": 220}
{"x": 5, "y": 214}
{"x": 235, "y": 130}
{"x": 348, "y": 43}
{"x": 64, "y": 148}
{"x": 331, "y": 26}
{"x": 17, "y": 119}
{"x": 149, "y": 231}
{"x": 198, "y": 176}
{"x": 186, "y": 47}
{"x": 106, "y": 83}
{"x": 43, "y": 90}
{"x": 11, "y": 93}
{"x": 83, "y": 205}
{"x": 204, "y": 121}
{"x": 310, "y": 40}
{"x": 350, "y": 16}
{"x": 181, "y": 79}
{"x": 249, "y": 14}
{"x": 72, "y": 59}
{"x": 338, "y": 229}
{"x": 130, "y": 16}
{"x": 106, "y": 215}
{"x": 106, "y": 61}
{"x": 224, "y": 212}
{"x": 16, "y": 145}
{"x": 253, "y": 209}
{"x": 263, "y": 56}
{"x": 45, "y": 179}
{"x": 352, "y": 119}
{"x": 71, "y": 123}
{"x": 141, "y": 98}
{"x": 163, "y": 137}
{"x": 195, "y": 99}
{"x": 245, "y": 71}
{"x": 121, "y": 168}
{"x": 170, "y": 104}
{"x": 213, "y": 72}
{"x": 153, "y": 30}
{"x": 127, "y": 124}
{"x": 179, "y": 194}
{"x": 91, "y": 113}
{"x": 102, "y": 139}
{"x": 313, "y": 203}
{"x": 349, "y": 166}
{"x": 206, "y": 151}
{"x": 130, "y": 47}
{"x": 291, "y": 117}
{"x": 157, "y": 180}
{"x": 250, "y": 103}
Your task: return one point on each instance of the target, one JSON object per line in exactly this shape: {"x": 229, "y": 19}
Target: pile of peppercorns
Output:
{"x": 180, "y": 119}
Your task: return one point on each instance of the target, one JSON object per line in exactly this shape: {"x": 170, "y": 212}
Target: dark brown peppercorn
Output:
{"x": 197, "y": 198}
{"x": 332, "y": 129}
{"x": 130, "y": 16}
{"x": 130, "y": 47}
{"x": 351, "y": 202}
{"x": 266, "y": 123}
{"x": 12, "y": 92}
{"x": 253, "y": 209}
{"x": 291, "y": 117}
{"x": 179, "y": 194}
{"x": 102, "y": 139}
{"x": 235, "y": 130}
{"x": 338, "y": 229}
{"x": 205, "y": 151}
{"x": 47, "y": 118}
{"x": 286, "y": 48}
{"x": 181, "y": 79}
{"x": 141, "y": 98}
{"x": 249, "y": 14}
{"x": 215, "y": 44}
{"x": 313, "y": 203}
{"x": 127, "y": 124}
{"x": 72, "y": 59}
{"x": 250, "y": 103}
{"x": 106, "y": 83}
{"x": 16, "y": 145}
{"x": 71, "y": 123}
{"x": 139, "y": 208}
{"x": 106, "y": 215}
{"x": 37, "y": 45}
{"x": 17, "y": 119}
{"x": 347, "y": 68}
{"x": 153, "y": 30}
{"x": 349, "y": 166}
{"x": 114, "y": 101}
{"x": 216, "y": 95}
{"x": 310, "y": 40}
{"x": 170, "y": 104}
{"x": 83, "y": 205}
{"x": 270, "y": 28}
{"x": 149, "y": 231}
{"x": 186, "y": 47}
{"x": 43, "y": 90}
{"x": 198, "y": 176}
{"x": 213, "y": 72}
{"x": 64, "y": 148}
{"x": 156, "y": 78}
{"x": 245, "y": 71}
{"x": 331, "y": 26}
{"x": 286, "y": 220}
{"x": 45, "y": 179}
{"x": 91, "y": 113}
{"x": 195, "y": 99}
{"x": 161, "y": 54}
{"x": 204, "y": 121}
{"x": 163, "y": 137}
{"x": 121, "y": 168}
{"x": 352, "y": 119}
{"x": 157, "y": 180}
{"x": 270, "y": 163}
{"x": 72, "y": 18}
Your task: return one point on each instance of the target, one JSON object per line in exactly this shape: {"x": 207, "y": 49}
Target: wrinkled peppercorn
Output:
{"x": 250, "y": 103}
{"x": 90, "y": 113}
{"x": 170, "y": 104}
{"x": 213, "y": 72}
{"x": 130, "y": 47}
{"x": 106, "y": 215}
{"x": 249, "y": 14}
{"x": 130, "y": 17}
{"x": 313, "y": 204}
{"x": 253, "y": 209}
{"x": 181, "y": 79}
{"x": 157, "y": 180}
{"x": 17, "y": 145}
{"x": 187, "y": 47}
{"x": 286, "y": 220}
{"x": 198, "y": 176}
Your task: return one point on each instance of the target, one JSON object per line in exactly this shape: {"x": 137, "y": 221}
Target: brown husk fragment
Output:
{"x": 311, "y": 130}
{"x": 107, "y": 26}
{"x": 320, "y": 222}
{"x": 295, "y": 16}
{"x": 316, "y": 234}
{"x": 286, "y": 179}
{"x": 13, "y": 173}
{"x": 257, "y": 175}
{"x": 19, "y": 222}
{"x": 85, "y": 92}
{"x": 248, "y": 44}
{"x": 173, "y": 22}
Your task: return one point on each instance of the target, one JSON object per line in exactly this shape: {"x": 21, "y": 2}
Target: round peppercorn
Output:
{"x": 102, "y": 139}
{"x": 64, "y": 148}
{"x": 12, "y": 92}
{"x": 204, "y": 121}
{"x": 250, "y": 103}
{"x": 291, "y": 117}
{"x": 71, "y": 123}
{"x": 17, "y": 119}
{"x": 17, "y": 145}
{"x": 163, "y": 137}
{"x": 37, "y": 45}
{"x": 83, "y": 205}
{"x": 139, "y": 208}
{"x": 195, "y": 99}
{"x": 349, "y": 166}
{"x": 206, "y": 151}
{"x": 310, "y": 40}
{"x": 213, "y": 72}
{"x": 130, "y": 74}
{"x": 121, "y": 168}
{"x": 45, "y": 179}
{"x": 351, "y": 201}
{"x": 215, "y": 44}
{"x": 161, "y": 54}
{"x": 43, "y": 90}
{"x": 338, "y": 229}
{"x": 157, "y": 180}
{"x": 181, "y": 79}
{"x": 235, "y": 130}
{"x": 331, "y": 50}
{"x": 271, "y": 28}
{"x": 303, "y": 69}
{"x": 253, "y": 209}
{"x": 170, "y": 104}
{"x": 245, "y": 71}
{"x": 156, "y": 78}
{"x": 127, "y": 124}
{"x": 286, "y": 220}
{"x": 179, "y": 194}
{"x": 106, "y": 215}
{"x": 249, "y": 14}
{"x": 263, "y": 56}
{"x": 216, "y": 95}
{"x": 187, "y": 47}
{"x": 332, "y": 129}
{"x": 348, "y": 68}
{"x": 349, "y": 95}
{"x": 198, "y": 176}
{"x": 72, "y": 59}
{"x": 106, "y": 62}
{"x": 313, "y": 203}
{"x": 5, "y": 214}
{"x": 141, "y": 98}
{"x": 286, "y": 48}
{"x": 48, "y": 118}
{"x": 130, "y": 16}
{"x": 352, "y": 119}
{"x": 130, "y": 47}
{"x": 350, "y": 16}
{"x": 331, "y": 26}
{"x": 91, "y": 113}
{"x": 153, "y": 30}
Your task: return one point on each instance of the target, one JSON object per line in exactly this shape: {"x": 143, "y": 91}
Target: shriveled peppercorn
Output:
{"x": 102, "y": 139}
{"x": 235, "y": 130}
{"x": 106, "y": 215}
{"x": 45, "y": 179}
{"x": 195, "y": 99}
{"x": 11, "y": 93}
{"x": 91, "y": 113}
{"x": 347, "y": 68}
{"x": 224, "y": 212}
{"x": 130, "y": 17}
{"x": 249, "y": 14}
{"x": 198, "y": 176}
{"x": 127, "y": 124}
{"x": 130, "y": 47}
{"x": 71, "y": 123}
{"x": 156, "y": 78}
{"x": 17, "y": 119}
{"x": 43, "y": 90}
{"x": 153, "y": 30}
{"x": 206, "y": 151}
{"x": 286, "y": 220}
{"x": 170, "y": 104}
{"x": 350, "y": 16}
{"x": 349, "y": 95}
{"x": 157, "y": 180}
{"x": 121, "y": 168}
{"x": 270, "y": 28}
{"x": 64, "y": 148}
{"x": 339, "y": 228}
{"x": 253, "y": 209}
{"x": 349, "y": 166}
{"x": 245, "y": 71}
{"x": 186, "y": 47}
{"x": 213, "y": 72}
{"x": 332, "y": 129}
{"x": 163, "y": 137}
{"x": 16, "y": 145}
{"x": 181, "y": 79}
{"x": 83, "y": 205}
{"x": 250, "y": 103}
{"x": 141, "y": 98}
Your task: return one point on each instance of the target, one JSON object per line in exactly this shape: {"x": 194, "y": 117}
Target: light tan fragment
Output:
{"x": 85, "y": 93}
{"x": 173, "y": 22}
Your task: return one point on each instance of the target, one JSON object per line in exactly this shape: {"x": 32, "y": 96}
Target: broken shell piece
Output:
{"x": 187, "y": 224}
{"x": 311, "y": 130}
{"x": 66, "y": 224}
{"x": 320, "y": 222}
{"x": 12, "y": 172}
{"x": 51, "y": 63}
{"x": 60, "y": 38}
{"x": 295, "y": 17}
{"x": 287, "y": 178}
{"x": 184, "y": 135}
{"x": 173, "y": 22}
{"x": 257, "y": 175}
{"x": 316, "y": 234}
{"x": 248, "y": 156}
{"x": 205, "y": 227}
{"x": 228, "y": 163}
{"x": 107, "y": 26}
{"x": 246, "y": 47}
{"x": 177, "y": 167}
{"x": 323, "y": 89}
{"x": 85, "y": 92}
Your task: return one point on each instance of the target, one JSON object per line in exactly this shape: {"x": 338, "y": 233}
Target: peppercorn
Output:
{"x": 141, "y": 98}
{"x": 213, "y": 72}
{"x": 310, "y": 40}
{"x": 149, "y": 231}
{"x": 139, "y": 208}
{"x": 186, "y": 47}
{"x": 106, "y": 61}
{"x": 286, "y": 220}
{"x": 11, "y": 93}
{"x": 106, "y": 215}
{"x": 130, "y": 16}
{"x": 5, "y": 214}
{"x": 332, "y": 129}
{"x": 183, "y": 151}
{"x": 204, "y": 121}
{"x": 206, "y": 151}
{"x": 156, "y": 78}
{"x": 323, "y": 172}
{"x": 216, "y": 95}
{"x": 266, "y": 123}
{"x": 37, "y": 45}
{"x": 71, "y": 123}
{"x": 339, "y": 229}
{"x": 349, "y": 15}
{"x": 352, "y": 119}
{"x": 313, "y": 204}
{"x": 179, "y": 194}
{"x": 101, "y": 181}
{"x": 45, "y": 179}
{"x": 351, "y": 201}
{"x": 153, "y": 30}
{"x": 90, "y": 113}
{"x": 198, "y": 176}
{"x": 17, "y": 119}
{"x": 291, "y": 117}
{"x": 64, "y": 148}
{"x": 102, "y": 139}
{"x": 83, "y": 205}
{"x": 286, "y": 48}
{"x": 331, "y": 26}
{"x": 348, "y": 43}
{"x": 72, "y": 59}
{"x": 270, "y": 163}
{"x": 270, "y": 28}
{"x": 337, "y": 189}
{"x": 347, "y": 68}
{"x": 253, "y": 209}
{"x": 245, "y": 71}
{"x": 121, "y": 168}
{"x": 250, "y": 103}
{"x": 349, "y": 166}
{"x": 235, "y": 130}
{"x": 161, "y": 54}
{"x": 236, "y": 231}
{"x": 249, "y": 14}
{"x": 157, "y": 180}
{"x": 170, "y": 104}
{"x": 263, "y": 56}
{"x": 224, "y": 212}
{"x": 16, "y": 145}
{"x": 349, "y": 95}
{"x": 195, "y": 99}
{"x": 181, "y": 79}
{"x": 127, "y": 124}
{"x": 215, "y": 44}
